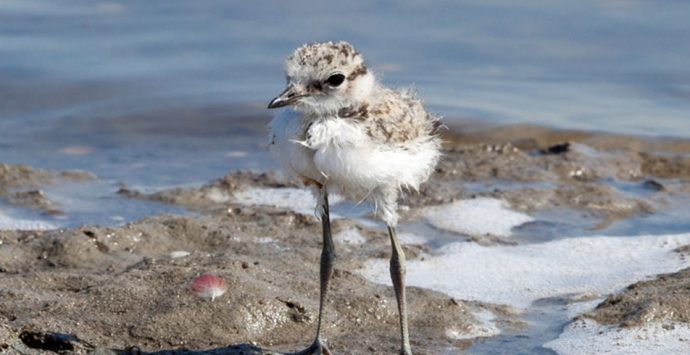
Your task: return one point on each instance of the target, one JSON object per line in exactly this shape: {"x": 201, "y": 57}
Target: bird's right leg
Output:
{"x": 397, "y": 269}
{"x": 327, "y": 261}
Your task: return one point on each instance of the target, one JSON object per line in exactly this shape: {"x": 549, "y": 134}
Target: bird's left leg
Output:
{"x": 327, "y": 261}
{"x": 397, "y": 269}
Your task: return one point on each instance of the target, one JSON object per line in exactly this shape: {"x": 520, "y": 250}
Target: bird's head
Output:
{"x": 324, "y": 77}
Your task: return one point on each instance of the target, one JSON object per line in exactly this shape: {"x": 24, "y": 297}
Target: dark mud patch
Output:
{"x": 21, "y": 185}
{"x": 505, "y": 161}
{"x": 666, "y": 166}
{"x": 36, "y": 200}
{"x": 610, "y": 155}
{"x": 531, "y": 137}
{"x": 665, "y": 298}
{"x": 25, "y": 177}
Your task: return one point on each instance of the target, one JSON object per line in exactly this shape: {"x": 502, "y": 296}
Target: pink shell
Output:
{"x": 208, "y": 286}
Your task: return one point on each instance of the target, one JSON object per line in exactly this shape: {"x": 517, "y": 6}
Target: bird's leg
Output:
{"x": 327, "y": 261}
{"x": 397, "y": 269}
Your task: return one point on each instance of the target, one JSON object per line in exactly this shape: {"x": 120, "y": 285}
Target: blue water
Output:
{"x": 135, "y": 80}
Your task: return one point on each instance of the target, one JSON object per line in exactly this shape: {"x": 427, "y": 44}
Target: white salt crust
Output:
{"x": 519, "y": 275}
{"x": 479, "y": 216}
{"x": 589, "y": 337}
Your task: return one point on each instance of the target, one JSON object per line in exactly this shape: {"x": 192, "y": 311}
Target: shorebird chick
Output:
{"x": 347, "y": 134}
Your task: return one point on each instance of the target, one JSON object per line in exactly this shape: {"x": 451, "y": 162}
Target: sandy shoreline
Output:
{"x": 119, "y": 287}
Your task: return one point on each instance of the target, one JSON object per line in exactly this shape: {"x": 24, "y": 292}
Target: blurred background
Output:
{"x": 159, "y": 93}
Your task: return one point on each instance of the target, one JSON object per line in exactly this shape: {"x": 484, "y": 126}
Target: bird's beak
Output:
{"x": 287, "y": 97}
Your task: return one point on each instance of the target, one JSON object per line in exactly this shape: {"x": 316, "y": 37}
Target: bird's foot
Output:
{"x": 317, "y": 348}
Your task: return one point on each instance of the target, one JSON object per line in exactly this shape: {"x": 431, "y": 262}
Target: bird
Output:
{"x": 342, "y": 132}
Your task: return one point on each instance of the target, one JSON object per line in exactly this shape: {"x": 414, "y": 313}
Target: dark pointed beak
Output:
{"x": 287, "y": 97}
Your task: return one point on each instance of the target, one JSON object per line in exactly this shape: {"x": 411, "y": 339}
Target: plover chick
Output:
{"x": 343, "y": 132}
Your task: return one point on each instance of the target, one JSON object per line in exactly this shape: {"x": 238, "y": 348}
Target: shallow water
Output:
{"x": 544, "y": 321}
{"x": 136, "y": 82}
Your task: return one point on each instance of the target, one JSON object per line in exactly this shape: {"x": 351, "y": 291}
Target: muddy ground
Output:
{"x": 119, "y": 289}
{"x": 21, "y": 185}
{"x": 665, "y": 299}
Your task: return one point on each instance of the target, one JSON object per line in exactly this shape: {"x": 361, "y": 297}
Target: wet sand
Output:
{"x": 664, "y": 299}
{"x": 98, "y": 288}
{"x": 118, "y": 287}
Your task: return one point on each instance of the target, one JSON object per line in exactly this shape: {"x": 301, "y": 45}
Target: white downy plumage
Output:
{"x": 313, "y": 142}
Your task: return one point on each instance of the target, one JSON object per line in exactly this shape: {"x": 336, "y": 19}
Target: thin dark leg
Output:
{"x": 327, "y": 261}
{"x": 397, "y": 268}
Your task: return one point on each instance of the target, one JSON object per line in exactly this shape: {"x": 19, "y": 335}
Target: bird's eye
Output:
{"x": 335, "y": 80}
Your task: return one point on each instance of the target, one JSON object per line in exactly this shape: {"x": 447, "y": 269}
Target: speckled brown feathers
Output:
{"x": 318, "y": 55}
{"x": 392, "y": 117}
{"x": 358, "y": 71}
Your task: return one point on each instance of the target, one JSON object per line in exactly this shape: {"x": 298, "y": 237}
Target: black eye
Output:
{"x": 335, "y": 79}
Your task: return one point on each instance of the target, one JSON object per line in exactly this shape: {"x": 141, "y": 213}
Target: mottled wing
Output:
{"x": 393, "y": 117}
